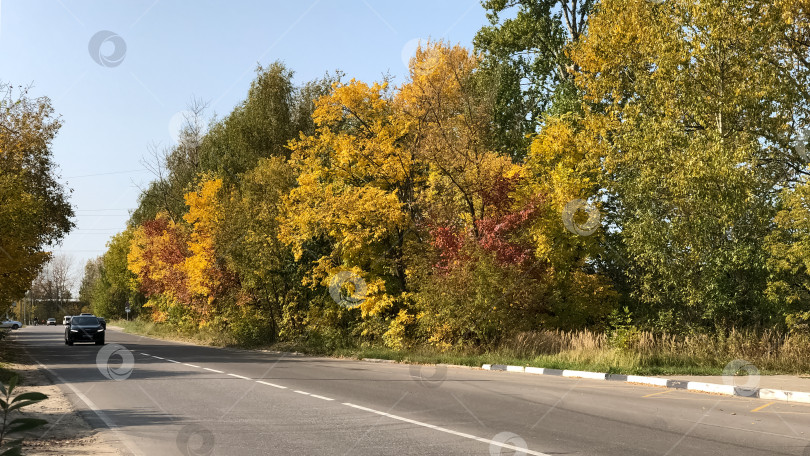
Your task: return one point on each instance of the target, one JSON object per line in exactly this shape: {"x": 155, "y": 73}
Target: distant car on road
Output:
{"x": 51, "y": 322}
{"x": 84, "y": 328}
{"x": 13, "y": 324}
{"x": 66, "y": 320}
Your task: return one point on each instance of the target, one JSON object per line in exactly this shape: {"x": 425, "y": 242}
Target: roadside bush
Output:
{"x": 477, "y": 302}
{"x": 623, "y": 334}
{"x": 251, "y": 327}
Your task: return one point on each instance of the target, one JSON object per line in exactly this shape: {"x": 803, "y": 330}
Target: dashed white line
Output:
{"x": 517, "y": 449}
{"x": 366, "y": 409}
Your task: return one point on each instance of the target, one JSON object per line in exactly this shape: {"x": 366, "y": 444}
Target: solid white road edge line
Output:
{"x": 517, "y": 449}
{"x": 92, "y": 406}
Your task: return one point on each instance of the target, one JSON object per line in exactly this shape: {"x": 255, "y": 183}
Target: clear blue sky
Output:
{"x": 176, "y": 50}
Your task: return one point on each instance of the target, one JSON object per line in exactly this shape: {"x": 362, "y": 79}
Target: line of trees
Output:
{"x": 589, "y": 162}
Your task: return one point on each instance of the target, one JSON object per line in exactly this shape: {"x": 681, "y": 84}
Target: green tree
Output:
{"x": 526, "y": 63}
{"x": 274, "y": 112}
{"x": 110, "y": 285}
{"x": 789, "y": 260}
{"x": 34, "y": 208}
{"x": 686, "y": 107}
{"x": 270, "y": 279}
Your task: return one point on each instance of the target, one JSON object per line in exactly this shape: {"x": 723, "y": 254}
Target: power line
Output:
{"x": 101, "y": 210}
{"x": 142, "y": 170}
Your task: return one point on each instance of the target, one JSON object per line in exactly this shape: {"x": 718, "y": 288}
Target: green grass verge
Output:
{"x": 7, "y": 355}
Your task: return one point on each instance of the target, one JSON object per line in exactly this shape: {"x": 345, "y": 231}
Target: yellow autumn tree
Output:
{"x": 204, "y": 216}
{"x": 355, "y": 188}
{"x": 450, "y": 116}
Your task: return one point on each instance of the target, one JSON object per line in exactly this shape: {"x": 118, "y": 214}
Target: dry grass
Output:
{"x": 640, "y": 353}
{"x": 162, "y": 331}
{"x": 768, "y": 350}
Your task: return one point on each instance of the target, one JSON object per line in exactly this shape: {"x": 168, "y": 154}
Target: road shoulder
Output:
{"x": 66, "y": 432}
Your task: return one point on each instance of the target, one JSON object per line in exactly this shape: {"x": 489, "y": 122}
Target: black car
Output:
{"x": 84, "y": 328}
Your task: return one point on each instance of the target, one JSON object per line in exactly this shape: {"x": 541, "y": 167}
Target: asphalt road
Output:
{"x": 164, "y": 398}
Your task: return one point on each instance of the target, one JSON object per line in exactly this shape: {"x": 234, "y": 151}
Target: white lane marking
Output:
{"x": 123, "y": 438}
{"x": 517, "y": 449}
{"x": 158, "y": 357}
{"x": 359, "y": 407}
{"x": 191, "y": 365}
{"x": 173, "y": 361}
{"x": 145, "y": 354}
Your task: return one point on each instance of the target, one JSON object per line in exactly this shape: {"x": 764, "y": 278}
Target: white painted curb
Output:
{"x": 583, "y": 374}
{"x": 780, "y": 395}
{"x": 711, "y": 388}
{"x": 714, "y": 388}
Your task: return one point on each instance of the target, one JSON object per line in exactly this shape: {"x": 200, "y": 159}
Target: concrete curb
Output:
{"x": 377, "y": 360}
{"x": 714, "y": 388}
